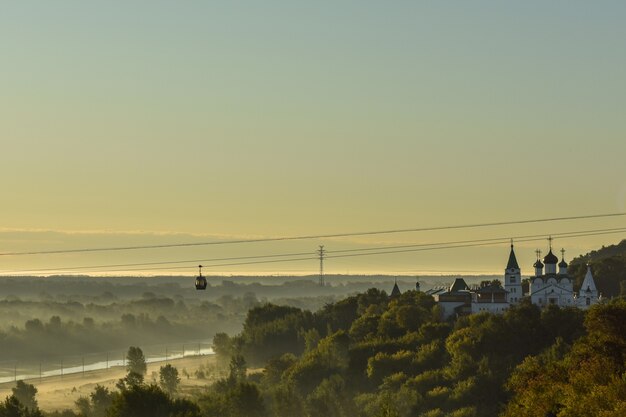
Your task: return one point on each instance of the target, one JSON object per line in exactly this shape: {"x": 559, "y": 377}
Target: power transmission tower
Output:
{"x": 321, "y": 252}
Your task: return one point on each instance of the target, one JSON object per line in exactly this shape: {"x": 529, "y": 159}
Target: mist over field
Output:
{"x": 48, "y": 318}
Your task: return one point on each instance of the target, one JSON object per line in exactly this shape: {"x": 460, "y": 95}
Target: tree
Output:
{"x": 25, "y": 394}
{"x": 245, "y": 400}
{"x": 140, "y": 401}
{"x": 287, "y": 402}
{"x": 222, "y": 345}
{"x": 12, "y": 407}
{"x": 101, "y": 400}
{"x": 136, "y": 361}
{"x": 168, "y": 378}
{"x": 83, "y": 405}
{"x": 238, "y": 368}
{"x": 131, "y": 380}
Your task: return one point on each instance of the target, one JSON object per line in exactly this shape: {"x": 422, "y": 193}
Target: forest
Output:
{"x": 371, "y": 355}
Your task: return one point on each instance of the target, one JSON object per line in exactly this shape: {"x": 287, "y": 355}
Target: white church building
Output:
{"x": 548, "y": 286}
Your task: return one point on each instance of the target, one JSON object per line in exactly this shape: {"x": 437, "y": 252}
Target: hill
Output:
{"x": 609, "y": 269}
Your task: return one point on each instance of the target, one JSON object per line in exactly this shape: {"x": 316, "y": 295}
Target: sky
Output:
{"x": 151, "y": 122}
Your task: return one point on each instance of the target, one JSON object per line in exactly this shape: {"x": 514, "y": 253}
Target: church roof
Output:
{"x": 550, "y": 258}
{"x": 588, "y": 284}
{"x": 459, "y": 285}
{"x": 436, "y": 291}
{"x": 512, "y": 264}
{"x": 395, "y": 291}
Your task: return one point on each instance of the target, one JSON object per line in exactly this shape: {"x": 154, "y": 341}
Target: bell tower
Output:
{"x": 513, "y": 279}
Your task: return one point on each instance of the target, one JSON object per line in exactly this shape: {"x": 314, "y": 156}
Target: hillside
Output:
{"x": 609, "y": 269}
{"x": 372, "y": 355}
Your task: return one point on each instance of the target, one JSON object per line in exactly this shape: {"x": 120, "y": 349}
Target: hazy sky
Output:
{"x": 239, "y": 119}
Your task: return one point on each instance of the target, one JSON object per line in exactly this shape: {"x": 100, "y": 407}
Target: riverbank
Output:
{"x": 61, "y": 392}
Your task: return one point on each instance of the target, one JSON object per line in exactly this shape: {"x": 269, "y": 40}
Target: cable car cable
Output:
{"x": 432, "y": 246}
{"x": 308, "y": 237}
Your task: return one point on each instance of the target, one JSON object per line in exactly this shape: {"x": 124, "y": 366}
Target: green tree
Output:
{"x": 387, "y": 408}
{"x": 238, "y": 368}
{"x": 222, "y": 345}
{"x": 84, "y": 406}
{"x": 136, "y": 361}
{"x": 168, "y": 378}
{"x": 12, "y": 407}
{"x": 132, "y": 379}
{"x": 245, "y": 400}
{"x": 287, "y": 402}
{"x": 25, "y": 394}
{"x": 275, "y": 368}
{"x": 587, "y": 379}
{"x": 329, "y": 399}
{"x": 140, "y": 402}
{"x": 101, "y": 399}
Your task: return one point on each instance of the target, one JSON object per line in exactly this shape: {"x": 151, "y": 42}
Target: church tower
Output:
{"x": 550, "y": 260}
{"x": 562, "y": 264}
{"x": 588, "y": 294}
{"x": 513, "y": 279}
{"x": 538, "y": 265}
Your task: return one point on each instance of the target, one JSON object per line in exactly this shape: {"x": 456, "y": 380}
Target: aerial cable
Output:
{"x": 173, "y": 262}
{"x": 308, "y": 237}
{"x": 562, "y": 234}
{"x": 454, "y": 246}
{"x": 382, "y": 251}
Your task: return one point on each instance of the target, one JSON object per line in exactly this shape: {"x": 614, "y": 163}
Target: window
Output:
{"x": 512, "y": 280}
{"x": 588, "y": 301}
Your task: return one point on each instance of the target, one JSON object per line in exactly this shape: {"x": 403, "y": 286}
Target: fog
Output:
{"x": 68, "y": 320}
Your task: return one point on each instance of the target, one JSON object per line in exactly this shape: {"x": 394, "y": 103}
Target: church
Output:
{"x": 548, "y": 286}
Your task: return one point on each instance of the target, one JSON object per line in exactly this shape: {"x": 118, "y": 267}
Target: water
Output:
{"x": 99, "y": 365}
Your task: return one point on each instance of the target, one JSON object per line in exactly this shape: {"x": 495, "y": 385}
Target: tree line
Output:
{"x": 372, "y": 355}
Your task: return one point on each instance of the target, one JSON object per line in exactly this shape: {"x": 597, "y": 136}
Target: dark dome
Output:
{"x": 563, "y": 264}
{"x": 550, "y": 258}
{"x": 538, "y": 264}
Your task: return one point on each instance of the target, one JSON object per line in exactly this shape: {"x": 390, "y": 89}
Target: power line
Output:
{"x": 351, "y": 252}
{"x": 59, "y": 270}
{"x": 465, "y": 245}
{"x": 562, "y": 234}
{"x": 307, "y": 237}
{"x": 235, "y": 258}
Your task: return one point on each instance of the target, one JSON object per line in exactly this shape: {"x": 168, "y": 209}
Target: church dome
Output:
{"x": 550, "y": 258}
{"x": 563, "y": 264}
{"x": 538, "y": 264}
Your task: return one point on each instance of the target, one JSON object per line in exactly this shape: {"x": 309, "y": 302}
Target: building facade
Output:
{"x": 550, "y": 285}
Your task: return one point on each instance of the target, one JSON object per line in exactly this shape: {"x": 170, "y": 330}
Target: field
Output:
{"x": 59, "y": 393}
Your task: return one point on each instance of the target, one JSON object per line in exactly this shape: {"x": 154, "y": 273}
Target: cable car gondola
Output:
{"x": 200, "y": 280}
